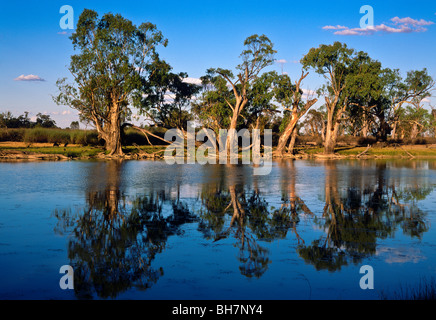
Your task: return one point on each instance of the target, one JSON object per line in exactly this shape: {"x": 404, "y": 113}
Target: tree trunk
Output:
{"x": 394, "y": 130}
{"x": 414, "y": 132}
{"x": 365, "y": 126}
{"x": 113, "y": 133}
{"x": 330, "y": 139}
{"x": 292, "y": 142}
{"x": 284, "y": 138}
{"x": 230, "y": 136}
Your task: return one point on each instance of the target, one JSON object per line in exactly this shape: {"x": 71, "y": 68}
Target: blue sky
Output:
{"x": 205, "y": 34}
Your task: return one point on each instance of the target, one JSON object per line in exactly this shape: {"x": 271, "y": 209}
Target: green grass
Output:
{"x": 388, "y": 151}
{"x": 74, "y": 152}
{"x": 46, "y": 135}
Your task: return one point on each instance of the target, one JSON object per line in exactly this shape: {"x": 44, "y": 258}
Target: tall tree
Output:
{"x": 110, "y": 70}
{"x": 364, "y": 88}
{"x": 211, "y": 108}
{"x": 167, "y": 98}
{"x": 417, "y": 86}
{"x": 258, "y": 54}
{"x": 289, "y": 95}
{"x": 332, "y": 62}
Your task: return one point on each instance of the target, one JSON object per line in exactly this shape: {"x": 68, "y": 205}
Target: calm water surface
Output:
{"x": 148, "y": 230}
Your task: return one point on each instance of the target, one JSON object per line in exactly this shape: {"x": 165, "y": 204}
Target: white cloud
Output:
{"x": 30, "y": 77}
{"x": 400, "y": 255}
{"x": 401, "y": 25}
{"x": 281, "y": 61}
{"x": 308, "y": 92}
{"x": 338, "y": 27}
{"x": 192, "y": 80}
{"x": 410, "y": 21}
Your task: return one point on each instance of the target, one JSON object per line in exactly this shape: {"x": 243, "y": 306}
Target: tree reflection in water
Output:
{"x": 356, "y": 215}
{"x": 115, "y": 239}
{"x": 229, "y": 198}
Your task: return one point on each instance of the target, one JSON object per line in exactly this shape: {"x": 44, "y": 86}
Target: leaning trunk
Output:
{"x": 284, "y": 138}
{"x": 292, "y": 142}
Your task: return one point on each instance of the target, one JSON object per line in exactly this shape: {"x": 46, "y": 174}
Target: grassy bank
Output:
{"x": 85, "y": 144}
{"x": 45, "y": 135}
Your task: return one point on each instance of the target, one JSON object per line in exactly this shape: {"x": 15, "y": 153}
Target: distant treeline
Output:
{"x": 44, "y": 130}
{"x": 7, "y": 120}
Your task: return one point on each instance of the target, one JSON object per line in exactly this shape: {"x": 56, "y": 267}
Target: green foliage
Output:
{"x": 12, "y": 134}
{"x": 167, "y": 97}
{"x": 227, "y": 97}
{"x": 331, "y": 61}
{"x": 49, "y": 135}
{"x": 7, "y": 120}
{"x": 74, "y": 125}
{"x": 110, "y": 70}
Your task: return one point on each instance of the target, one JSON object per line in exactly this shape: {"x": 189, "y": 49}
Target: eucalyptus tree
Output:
{"x": 413, "y": 121}
{"x": 110, "y": 71}
{"x": 261, "y": 108}
{"x": 364, "y": 89}
{"x": 314, "y": 123}
{"x": 211, "y": 107}
{"x": 167, "y": 98}
{"x": 289, "y": 95}
{"x": 332, "y": 62}
{"x": 416, "y": 87}
{"x": 257, "y": 55}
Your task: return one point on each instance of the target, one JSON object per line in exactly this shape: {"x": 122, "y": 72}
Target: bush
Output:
{"x": 422, "y": 141}
{"x": 43, "y": 135}
{"x": 395, "y": 141}
{"x": 132, "y": 136}
{"x": 84, "y": 137}
{"x": 308, "y": 139}
{"x": 11, "y": 134}
{"x": 348, "y": 140}
{"x": 364, "y": 141}
{"x": 60, "y": 136}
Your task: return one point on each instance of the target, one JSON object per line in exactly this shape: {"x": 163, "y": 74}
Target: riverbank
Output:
{"x": 46, "y": 151}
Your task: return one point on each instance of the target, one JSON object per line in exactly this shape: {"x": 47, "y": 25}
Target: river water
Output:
{"x": 149, "y": 230}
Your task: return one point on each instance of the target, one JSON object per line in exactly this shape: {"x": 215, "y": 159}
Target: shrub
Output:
{"x": 84, "y": 137}
{"x": 364, "y": 141}
{"x": 11, "y": 134}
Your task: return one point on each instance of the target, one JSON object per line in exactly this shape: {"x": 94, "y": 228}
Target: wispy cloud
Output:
{"x": 400, "y": 255}
{"x": 399, "y": 25}
{"x": 29, "y": 77}
{"x": 192, "y": 80}
{"x": 281, "y": 61}
{"x": 338, "y": 27}
{"x": 412, "y": 22}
